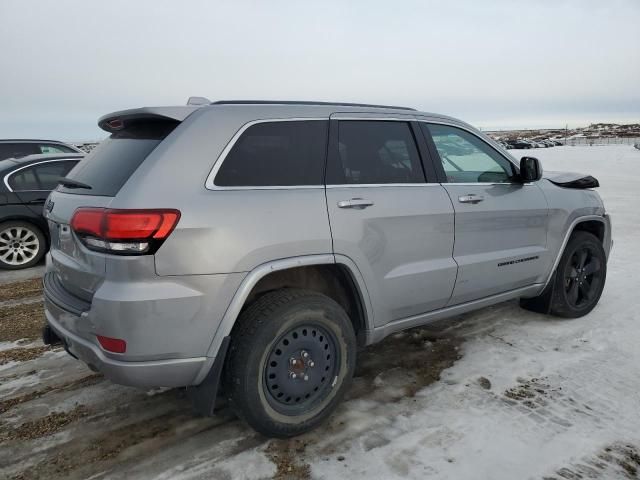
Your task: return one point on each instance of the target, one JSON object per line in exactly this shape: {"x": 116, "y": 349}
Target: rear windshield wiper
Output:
{"x": 70, "y": 183}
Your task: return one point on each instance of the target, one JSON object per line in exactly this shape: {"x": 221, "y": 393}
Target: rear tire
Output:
{"x": 22, "y": 245}
{"x": 291, "y": 359}
{"x": 580, "y": 276}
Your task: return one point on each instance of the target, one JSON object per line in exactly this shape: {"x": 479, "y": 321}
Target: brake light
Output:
{"x": 124, "y": 231}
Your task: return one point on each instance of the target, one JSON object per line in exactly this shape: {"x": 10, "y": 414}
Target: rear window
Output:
{"x": 50, "y": 148}
{"x": 107, "y": 168}
{"x": 17, "y": 150}
{"x": 286, "y": 153}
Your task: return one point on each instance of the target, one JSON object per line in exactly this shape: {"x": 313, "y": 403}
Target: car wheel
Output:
{"x": 291, "y": 358}
{"x": 22, "y": 245}
{"x": 580, "y": 276}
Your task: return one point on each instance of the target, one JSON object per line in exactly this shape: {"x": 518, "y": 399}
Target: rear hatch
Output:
{"x": 77, "y": 266}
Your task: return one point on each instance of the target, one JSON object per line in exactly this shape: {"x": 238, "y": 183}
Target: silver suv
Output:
{"x": 254, "y": 246}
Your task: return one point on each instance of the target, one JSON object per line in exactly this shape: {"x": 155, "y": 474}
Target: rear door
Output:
{"x": 500, "y": 223}
{"x": 33, "y": 183}
{"x": 387, "y": 217}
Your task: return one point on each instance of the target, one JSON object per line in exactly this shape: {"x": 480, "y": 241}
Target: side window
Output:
{"x": 49, "y": 173}
{"x": 43, "y": 176}
{"x": 24, "y": 179}
{"x": 467, "y": 159}
{"x": 286, "y": 153}
{"x": 48, "y": 148}
{"x": 374, "y": 152}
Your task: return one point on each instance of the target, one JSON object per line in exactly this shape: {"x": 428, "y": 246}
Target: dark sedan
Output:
{"x": 22, "y": 147}
{"x": 26, "y": 183}
{"x": 520, "y": 144}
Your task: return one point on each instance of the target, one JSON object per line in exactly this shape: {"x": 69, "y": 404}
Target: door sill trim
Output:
{"x": 424, "y": 318}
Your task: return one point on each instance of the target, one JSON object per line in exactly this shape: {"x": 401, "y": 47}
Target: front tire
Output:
{"x": 22, "y": 245}
{"x": 291, "y": 359}
{"x": 580, "y": 276}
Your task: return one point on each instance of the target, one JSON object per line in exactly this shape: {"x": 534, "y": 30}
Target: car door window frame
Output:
{"x": 437, "y": 161}
{"x": 8, "y": 176}
{"x": 333, "y": 154}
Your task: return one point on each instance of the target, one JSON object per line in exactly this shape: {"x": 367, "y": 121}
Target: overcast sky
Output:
{"x": 496, "y": 64}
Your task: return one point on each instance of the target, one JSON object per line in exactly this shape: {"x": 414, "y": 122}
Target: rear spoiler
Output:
{"x": 116, "y": 121}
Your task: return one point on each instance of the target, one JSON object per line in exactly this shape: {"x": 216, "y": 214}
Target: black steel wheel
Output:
{"x": 300, "y": 368}
{"x": 291, "y": 358}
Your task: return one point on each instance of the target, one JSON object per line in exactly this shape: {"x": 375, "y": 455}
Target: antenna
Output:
{"x": 198, "y": 101}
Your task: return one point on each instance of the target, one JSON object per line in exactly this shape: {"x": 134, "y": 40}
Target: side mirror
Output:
{"x": 530, "y": 169}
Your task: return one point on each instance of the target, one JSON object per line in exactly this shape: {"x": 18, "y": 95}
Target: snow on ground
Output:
{"x": 519, "y": 395}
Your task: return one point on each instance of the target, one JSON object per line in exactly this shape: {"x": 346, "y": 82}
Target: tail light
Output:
{"x": 124, "y": 232}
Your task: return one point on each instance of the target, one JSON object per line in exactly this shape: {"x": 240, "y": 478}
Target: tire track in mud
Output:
{"x": 9, "y": 403}
{"x": 44, "y": 426}
{"x": 21, "y": 290}
{"x": 619, "y": 460}
{"x": 420, "y": 359}
{"x": 23, "y": 320}
{"x": 22, "y": 354}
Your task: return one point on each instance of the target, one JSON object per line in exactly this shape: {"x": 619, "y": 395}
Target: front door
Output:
{"x": 500, "y": 223}
{"x": 386, "y": 217}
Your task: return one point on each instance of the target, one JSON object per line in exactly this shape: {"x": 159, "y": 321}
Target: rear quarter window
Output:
{"x": 42, "y": 176}
{"x": 269, "y": 154}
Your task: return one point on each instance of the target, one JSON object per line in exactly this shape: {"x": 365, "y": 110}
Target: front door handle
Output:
{"x": 358, "y": 203}
{"x": 471, "y": 198}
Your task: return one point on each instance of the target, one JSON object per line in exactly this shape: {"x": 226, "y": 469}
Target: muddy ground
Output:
{"x": 60, "y": 420}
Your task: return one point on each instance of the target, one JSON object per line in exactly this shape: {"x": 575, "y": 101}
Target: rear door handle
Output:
{"x": 358, "y": 203}
{"x": 471, "y": 198}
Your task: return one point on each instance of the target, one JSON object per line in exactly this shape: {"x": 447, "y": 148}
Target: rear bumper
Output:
{"x": 158, "y": 373}
{"x": 168, "y": 323}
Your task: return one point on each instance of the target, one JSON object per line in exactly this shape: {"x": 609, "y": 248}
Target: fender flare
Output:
{"x": 254, "y": 276}
{"x": 604, "y": 219}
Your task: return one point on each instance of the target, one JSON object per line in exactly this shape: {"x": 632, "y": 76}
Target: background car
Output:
{"x": 519, "y": 144}
{"x": 22, "y": 148}
{"x": 26, "y": 183}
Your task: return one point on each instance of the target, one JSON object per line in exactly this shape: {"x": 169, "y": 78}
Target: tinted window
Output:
{"x": 372, "y": 152}
{"x": 467, "y": 159}
{"x": 276, "y": 154}
{"x": 110, "y": 164}
{"x": 49, "y": 148}
{"x": 43, "y": 176}
{"x": 17, "y": 150}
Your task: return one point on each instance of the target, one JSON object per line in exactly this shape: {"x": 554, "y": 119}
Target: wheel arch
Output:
{"x": 599, "y": 226}
{"x": 334, "y": 276}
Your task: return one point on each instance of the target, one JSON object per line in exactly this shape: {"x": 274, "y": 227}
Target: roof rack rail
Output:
{"x": 294, "y": 102}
